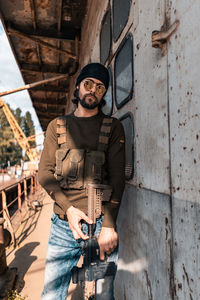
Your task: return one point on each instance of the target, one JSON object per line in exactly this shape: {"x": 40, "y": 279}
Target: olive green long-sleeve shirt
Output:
{"x": 84, "y": 132}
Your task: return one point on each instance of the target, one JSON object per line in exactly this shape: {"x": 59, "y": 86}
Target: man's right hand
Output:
{"x": 75, "y": 216}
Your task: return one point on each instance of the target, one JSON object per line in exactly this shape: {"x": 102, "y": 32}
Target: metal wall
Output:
{"x": 184, "y": 106}
{"x": 159, "y": 216}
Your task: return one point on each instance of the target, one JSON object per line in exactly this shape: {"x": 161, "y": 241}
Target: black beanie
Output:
{"x": 94, "y": 70}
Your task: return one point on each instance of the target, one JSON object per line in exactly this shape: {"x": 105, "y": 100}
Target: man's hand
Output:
{"x": 107, "y": 240}
{"x": 75, "y": 216}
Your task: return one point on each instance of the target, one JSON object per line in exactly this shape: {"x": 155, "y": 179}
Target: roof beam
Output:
{"x": 62, "y": 101}
{"x": 44, "y": 68}
{"x": 37, "y": 71}
{"x": 33, "y": 13}
{"x": 48, "y": 115}
{"x": 68, "y": 35}
{"x": 31, "y": 85}
{"x": 45, "y": 105}
{"x": 49, "y": 110}
{"x": 42, "y": 43}
{"x": 53, "y": 89}
{"x": 59, "y": 15}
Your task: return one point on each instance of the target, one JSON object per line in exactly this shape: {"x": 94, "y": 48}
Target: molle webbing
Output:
{"x": 61, "y": 131}
{"x": 104, "y": 134}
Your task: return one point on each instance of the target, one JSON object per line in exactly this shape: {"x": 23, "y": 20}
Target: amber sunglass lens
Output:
{"x": 88, "y": 85}
{"x": 101, "y": 89}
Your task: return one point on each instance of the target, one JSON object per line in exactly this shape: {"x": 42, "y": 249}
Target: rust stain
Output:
{"x": 43, "y": 3}
{"x": 27, "y": 53}
{"x": 138, "y": 46}
{"x": 124, "y": 293}
{"x": 166, "y": 228}
{"x": 172, "y": 286}
{"x": 180, "y": 286}
{"x": 149, "y": 288}
{"x": 188, "y": 281}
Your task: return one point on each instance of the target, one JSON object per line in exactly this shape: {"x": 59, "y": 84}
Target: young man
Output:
{"x": 83, "y": 147}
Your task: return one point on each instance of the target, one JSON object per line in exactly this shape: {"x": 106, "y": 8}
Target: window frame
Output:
{"x": 123, "y": 117}
{"x": 130, "y": 96}
{"x": 110, "y": 46}
{"x": 116, "y": 39}
{"x": 112, "y": 96}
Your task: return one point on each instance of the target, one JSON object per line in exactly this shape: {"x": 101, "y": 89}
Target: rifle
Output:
{"x": 93, "y": 268}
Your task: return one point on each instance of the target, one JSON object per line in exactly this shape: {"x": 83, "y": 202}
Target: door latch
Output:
{"x": 160, "y": 38}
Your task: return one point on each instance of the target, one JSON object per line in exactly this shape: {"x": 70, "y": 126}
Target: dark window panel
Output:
{"x": 121, "y": 9}
{"x": 105, "y": 38}
{"x": 107, "y": 109}
{"x": 127, "y": 122}
{"x": 123, "y": 72}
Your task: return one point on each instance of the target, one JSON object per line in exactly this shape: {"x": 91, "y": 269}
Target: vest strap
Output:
{"x": 61, "y": 131}
{"x": 104, "y": 134}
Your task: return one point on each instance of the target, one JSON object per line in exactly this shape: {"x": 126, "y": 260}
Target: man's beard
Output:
{"x": 91, "y": 104}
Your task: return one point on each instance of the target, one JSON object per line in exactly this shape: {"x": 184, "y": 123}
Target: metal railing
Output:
{"x": 24, "y": 186}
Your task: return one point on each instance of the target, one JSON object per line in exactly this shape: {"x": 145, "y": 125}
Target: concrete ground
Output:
{"x": 29, "y": 255}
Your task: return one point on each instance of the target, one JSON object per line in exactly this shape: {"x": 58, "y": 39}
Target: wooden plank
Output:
{"x": 42, "y": 43}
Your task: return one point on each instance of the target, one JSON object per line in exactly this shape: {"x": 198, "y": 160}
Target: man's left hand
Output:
{"x": 107, "y": 240}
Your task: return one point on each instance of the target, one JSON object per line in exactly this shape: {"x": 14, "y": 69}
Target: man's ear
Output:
{"x": 76, "y": 92}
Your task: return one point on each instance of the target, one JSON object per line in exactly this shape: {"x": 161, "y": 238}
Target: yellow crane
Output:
{"x": 18, "y": 133}
{"x": 22, "y": 140}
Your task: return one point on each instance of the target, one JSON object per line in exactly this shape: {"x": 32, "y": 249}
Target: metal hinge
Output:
{"x": 160, "y": 38}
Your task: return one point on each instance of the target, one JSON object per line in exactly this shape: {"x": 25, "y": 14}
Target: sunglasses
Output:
{"x": 89, "y": 84}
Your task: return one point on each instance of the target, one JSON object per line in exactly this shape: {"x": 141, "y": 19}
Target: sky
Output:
{"x": 10, "y": 78}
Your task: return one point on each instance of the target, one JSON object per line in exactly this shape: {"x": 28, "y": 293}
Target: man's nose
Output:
{"x": 93, "y": 89}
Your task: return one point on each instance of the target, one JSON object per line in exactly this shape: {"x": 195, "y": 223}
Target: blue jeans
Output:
{"x": 62, "y": 255}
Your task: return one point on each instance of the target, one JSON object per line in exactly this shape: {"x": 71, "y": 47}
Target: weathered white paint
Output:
{"x": 151, "y": 115}
{"x": 184, "y": 96}
{"x": 144, "y": 252}
{"x": 184, "y": 101}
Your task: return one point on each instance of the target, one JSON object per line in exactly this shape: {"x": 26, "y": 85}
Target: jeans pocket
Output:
{"x": 54, "y": 218}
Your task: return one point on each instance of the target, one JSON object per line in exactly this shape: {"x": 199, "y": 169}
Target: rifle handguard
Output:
{"x": 97, "y": 193}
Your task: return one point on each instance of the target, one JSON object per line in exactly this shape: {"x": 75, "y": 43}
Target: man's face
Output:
{"x": 91, "y": 91}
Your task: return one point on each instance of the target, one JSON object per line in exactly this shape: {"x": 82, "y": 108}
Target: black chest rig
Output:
{"x": 75, "y": 168}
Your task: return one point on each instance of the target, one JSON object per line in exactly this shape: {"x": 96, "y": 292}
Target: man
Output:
{"x": 80, "y": 148}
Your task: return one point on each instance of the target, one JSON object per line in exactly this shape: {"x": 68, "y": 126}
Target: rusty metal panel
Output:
{"x": 151, "y": 101}
{"x": 144, "y": 269}
{"x": 184, "y": 91}
{"x": 186, "y": 238}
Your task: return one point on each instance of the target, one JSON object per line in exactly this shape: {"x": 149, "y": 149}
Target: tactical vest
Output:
{"x": 75, "y": 168}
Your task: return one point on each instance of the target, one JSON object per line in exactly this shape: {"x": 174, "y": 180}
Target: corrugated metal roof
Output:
{"x": 45, "y": 37}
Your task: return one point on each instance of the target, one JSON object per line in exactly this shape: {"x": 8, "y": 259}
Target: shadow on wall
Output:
{"x": 144, "y": 226}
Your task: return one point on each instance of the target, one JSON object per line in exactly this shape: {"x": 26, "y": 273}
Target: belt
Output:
{"x": 62, "y": 217}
